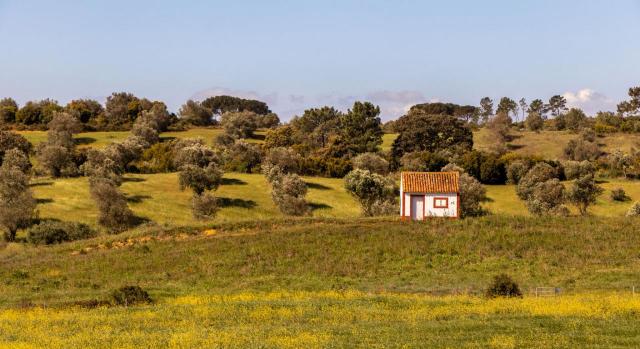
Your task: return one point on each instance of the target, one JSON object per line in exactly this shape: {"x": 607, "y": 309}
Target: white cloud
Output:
{"x": 393, "y": 104}
{"x": 589, "y": 100}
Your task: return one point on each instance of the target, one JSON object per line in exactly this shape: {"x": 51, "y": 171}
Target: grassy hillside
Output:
{"x": 550, "y": 144}
{"x": 503, "y": 199}
{"x": 343, "y": 282}
{"x": 245, "y": 197}
{"x": 102, "y": 139}
{"x": 158, "y": 197}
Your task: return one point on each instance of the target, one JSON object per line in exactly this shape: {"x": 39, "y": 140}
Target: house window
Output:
{"x": 440, "y": 202}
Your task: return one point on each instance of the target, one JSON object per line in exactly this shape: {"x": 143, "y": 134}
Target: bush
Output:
{"x": 372, "y": 162}
{"x": 288, "y": 192}
{"x": 114, "y": 213}
{"x": 619, "y": 194}
{"x": 130, "y": 295}
{"x": 577, "y": 169}
{"x": 583, "y": 193}
{"x": 157, "y": 159}
{"x": 580, "y": 149}
{"x": 503, "y": 286}
{"x": 204, "y": 206}
{"x": 375, "y": 193}
{"x": 472, "y": 193}
{"x": 285, "y": 158}
{"x": 52, "y": 232}
{"x": 547, "y": 198}
{"x": 423, "y": 161}
{"x": 634, "y": 210}
{"x": 516, "y": 170}
{"x": 541, "y": 172}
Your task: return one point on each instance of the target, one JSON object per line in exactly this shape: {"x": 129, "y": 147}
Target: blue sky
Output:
{"x": 300, "y": 54}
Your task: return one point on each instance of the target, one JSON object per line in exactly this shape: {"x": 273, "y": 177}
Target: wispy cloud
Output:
{"x": 393, "y": 104}
{"x": 589, "y": 100}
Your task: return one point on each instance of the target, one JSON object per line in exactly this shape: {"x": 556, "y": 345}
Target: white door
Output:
{"x": 417, "y": 207}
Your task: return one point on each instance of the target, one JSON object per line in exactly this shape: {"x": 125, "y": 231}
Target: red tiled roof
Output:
{"x": 430, "y": 182}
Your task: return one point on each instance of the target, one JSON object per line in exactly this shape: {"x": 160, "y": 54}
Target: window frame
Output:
{"x": 438, "y": 198}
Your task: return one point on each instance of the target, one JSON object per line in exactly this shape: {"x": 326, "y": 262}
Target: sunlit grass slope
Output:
{"x": 550, "y": 144}
{"x": 102, "y": 139}
{"x": 158, "y": 197}
{"x": 503, "y": 199}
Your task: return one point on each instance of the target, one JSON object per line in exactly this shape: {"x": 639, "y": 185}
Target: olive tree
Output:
{"x": 375, "y": 193}
{"x": 17, "y": 204}
{"x": 372, "y": 162}
{"x": 584, "y": 192}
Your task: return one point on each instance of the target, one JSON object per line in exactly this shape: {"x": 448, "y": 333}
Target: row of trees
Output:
{"x": 122, "y": 109}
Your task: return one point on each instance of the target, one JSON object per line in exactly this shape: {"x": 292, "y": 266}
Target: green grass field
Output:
{"x": 158, "y": 197}
{"x": 253, "y": 278}
{"x": 550, "y": 144}
{"x": 102, "y": 139}
{"x": 332, "y": 283}
{"x": 245, "y": 197}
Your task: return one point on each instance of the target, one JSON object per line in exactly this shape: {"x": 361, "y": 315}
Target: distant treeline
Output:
{"x": 122, "y": 109}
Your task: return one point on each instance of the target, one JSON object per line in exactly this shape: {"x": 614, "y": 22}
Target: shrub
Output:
{"x": 17, "y": 205}
{"x": 57, "y": 161}
{"x": 204, "y": 206}
{"x": 157, "y": 159}
{"x": 284, "y": 158}
{"x": 52, "y": 232}
{"x": 423, "y": 161}
{"x": 130, "y": 295}
{"x": 541, "y": 172}
{"x": 516, "y": 170}
{"x": 583, "y": 193}
{"x": 503, "y": 286}
{"x": 242, "y": 157}
{"x": 619, "y": 194}
{"x": 239, "y": 124}
{"x": 472, "y": 193}
{"x": 17, "y": 159}
{"x": 372, "y": 162}
{"x": 199, "y": 179}
{"x": 10, "y": 140}
{"x": 634, "y": 210}
{"x": 375, "y": 193}
{"x": 580, "y": 149}
{"x": 288, "y": 192}
{"x": 577, "y": 169}
{"x": 114, "y": 213}
{"x": 546, "y": 198}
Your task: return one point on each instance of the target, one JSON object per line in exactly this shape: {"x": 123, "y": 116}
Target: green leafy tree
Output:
{"x": 507, "y": 106}
{"x": 584, "y": 192}
{"x": 632, "y": 106}
{"x": 420, "y": 132}
{"x": 85, "y": 110}
{"x": 556, "y": 106}
{"x": 486, "y": 109}
{"x": 17, "y": 204}
{"x": 195, "y": 113}
{"x": 316, "y": 126}
{"x": 537, "y": 106}
{"x": 8, "y": 110}
{"x": 219, "y": 105}
{"x": 361, "y": 128}
{"x": 239, "y": 124}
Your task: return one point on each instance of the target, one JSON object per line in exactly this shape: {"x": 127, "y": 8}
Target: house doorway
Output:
{"x": 417, "y": 207}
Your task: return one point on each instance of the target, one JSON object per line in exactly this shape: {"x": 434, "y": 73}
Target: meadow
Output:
{"x": 321, "y": 282}
{"x": 254, "y": 278}
{"x": 333, "y": 319}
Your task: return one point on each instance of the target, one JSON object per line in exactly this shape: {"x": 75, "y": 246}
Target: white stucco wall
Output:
{"x": 430, "y": 211}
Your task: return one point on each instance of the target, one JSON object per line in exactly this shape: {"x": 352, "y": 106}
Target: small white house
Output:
{"x": 429, "y": 194}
